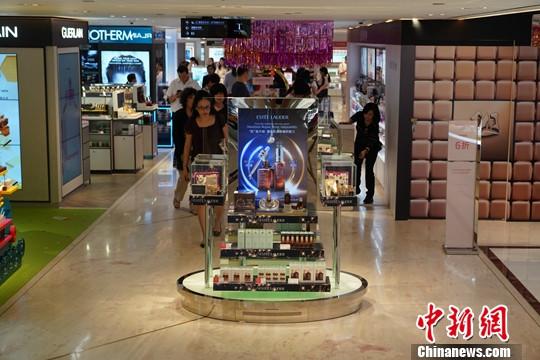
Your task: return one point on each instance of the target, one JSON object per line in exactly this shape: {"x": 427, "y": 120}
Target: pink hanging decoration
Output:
{"x": 283, "y": 43}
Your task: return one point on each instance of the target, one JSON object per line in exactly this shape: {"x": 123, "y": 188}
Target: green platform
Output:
{"x": 46, "y": 231}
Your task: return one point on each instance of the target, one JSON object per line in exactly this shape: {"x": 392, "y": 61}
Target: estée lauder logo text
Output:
{"x": 9, "y": 32}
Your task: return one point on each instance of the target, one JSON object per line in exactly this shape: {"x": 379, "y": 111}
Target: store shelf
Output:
{"x": 340, "y": 200}
{"x": 269, "y": 218}
{"x": 307, "y": 287}
{"x": 207, "y": 200}
{"x": 97, "y": 117}
{"x": 315, "y": 252}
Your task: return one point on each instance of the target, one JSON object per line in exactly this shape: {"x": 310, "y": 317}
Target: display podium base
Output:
{"x": 272, "y": 306}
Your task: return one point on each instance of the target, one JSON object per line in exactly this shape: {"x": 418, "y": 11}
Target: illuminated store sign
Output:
{"x": 72, "y": 33}
{"x": 120, "y": 34}
{"x": 9, "y": 31}
{"x": 32, "y": 32}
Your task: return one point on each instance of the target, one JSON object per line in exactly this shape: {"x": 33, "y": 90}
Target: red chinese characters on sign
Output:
{"x": 428, "y": 321}
{"x": 494, "y": 322}
{"x": 461, "y": 322}
{"x": 462, "y": 145}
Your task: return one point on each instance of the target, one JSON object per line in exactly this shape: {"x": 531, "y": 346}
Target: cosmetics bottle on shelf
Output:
{"x": 287, "y": 202}
{"x": 265, "y": 177}
{"x": 279, "y": 169}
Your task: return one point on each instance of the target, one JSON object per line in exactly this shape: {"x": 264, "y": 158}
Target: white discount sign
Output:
{"x": 463, "y": 140}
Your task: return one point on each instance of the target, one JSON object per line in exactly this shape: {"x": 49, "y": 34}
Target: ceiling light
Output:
{"x": 34, "y": 4}
{"x": 485, "y": 7}
{"x": 124, "y": 16}
{"x": 145, "y": 19}
{"x": 442, "y": 14}
{"x": 112, "y": 16}
{"x": 414, "y": 19}
{"x": 369, "y": 24}
{"x": 350, "y": 28}
{"x": 389, "y": 21}
{"x": 429, "y": 14}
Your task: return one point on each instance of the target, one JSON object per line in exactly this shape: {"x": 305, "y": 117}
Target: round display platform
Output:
{"x": 272, "y": 306}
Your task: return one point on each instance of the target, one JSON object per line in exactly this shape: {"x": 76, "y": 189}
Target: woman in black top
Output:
{"x": 219, "y": 93}
{"x": 366, "y": 146}
{"x": 180, "y": 120}
{"x": 205, "y": 134}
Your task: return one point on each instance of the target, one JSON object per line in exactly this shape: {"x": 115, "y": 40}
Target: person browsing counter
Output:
{"x": 366, "y": 146}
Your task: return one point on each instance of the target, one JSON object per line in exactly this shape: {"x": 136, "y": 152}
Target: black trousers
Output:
{"x": 370, "y": 159}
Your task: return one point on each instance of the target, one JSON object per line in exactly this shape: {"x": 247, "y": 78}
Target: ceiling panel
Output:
{"x": 167, "y": 12}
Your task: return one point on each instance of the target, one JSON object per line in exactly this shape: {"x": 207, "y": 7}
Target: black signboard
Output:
{"x": 23, "y": 32}
{"x": 215, "y": 28}
{"x": 67, "y": 33}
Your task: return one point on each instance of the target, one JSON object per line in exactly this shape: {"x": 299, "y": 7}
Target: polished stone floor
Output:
{"x": 113, "y": 294}
{"x": 524, "y": 264}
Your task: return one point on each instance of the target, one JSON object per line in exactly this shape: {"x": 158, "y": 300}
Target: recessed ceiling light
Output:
{"x": 145, "y": 19}
{"x": 34, "y": 4}
{"x": 369, "y": 24}
{"x": 350, "y": 28}
{"x": 441, "y": 14}
{"x": 462, "y": 8}
{"x": 429, "y": 14}
{"x": 389, "y": 21}
{"x": 223, "y": 6}
{"x": 124, "y": 16}
{"x": 485, "y": 7}
{"x": 112, "y": 16}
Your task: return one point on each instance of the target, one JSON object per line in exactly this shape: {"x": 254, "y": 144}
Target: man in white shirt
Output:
{"x": 342, "y": 70}
{"x": 178, "y": 85}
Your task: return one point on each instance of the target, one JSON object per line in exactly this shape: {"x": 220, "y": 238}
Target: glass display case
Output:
{"x": 208, "y": 177}
{"x": 338, "y": 176}
{"x": 327, "y": 141}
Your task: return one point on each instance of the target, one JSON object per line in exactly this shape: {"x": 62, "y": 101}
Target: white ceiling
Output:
{"x": 167, "y": 12}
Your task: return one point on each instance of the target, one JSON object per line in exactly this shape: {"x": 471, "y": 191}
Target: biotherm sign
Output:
{"x": 120, "y": 34}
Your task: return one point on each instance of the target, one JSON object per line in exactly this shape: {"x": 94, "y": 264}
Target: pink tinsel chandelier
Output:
{"x": 283, "y": 43}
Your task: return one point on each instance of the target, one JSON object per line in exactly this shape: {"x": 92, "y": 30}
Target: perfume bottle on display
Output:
{"x": 279, "y": 169}
{"x": 265, "y": 177}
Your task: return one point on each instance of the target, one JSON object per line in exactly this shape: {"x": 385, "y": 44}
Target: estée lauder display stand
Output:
{"x": 272, "y": 261}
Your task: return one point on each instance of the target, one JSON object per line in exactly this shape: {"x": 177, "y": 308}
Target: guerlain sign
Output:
{"x": 9, "y": 32}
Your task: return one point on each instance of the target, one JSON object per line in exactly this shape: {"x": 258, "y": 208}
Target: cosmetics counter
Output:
{"x": 272, "y": 262}
{"x": 116, "y": 127}
{"x": 11, "y": 249}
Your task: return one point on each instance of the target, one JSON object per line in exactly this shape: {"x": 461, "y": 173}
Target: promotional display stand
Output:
{"x": 272, "y": 263}
{"x": 464, "y": 138}
{"x": 11, "y": 249}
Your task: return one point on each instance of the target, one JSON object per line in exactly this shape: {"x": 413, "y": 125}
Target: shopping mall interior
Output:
{"x": 346, "y": 180}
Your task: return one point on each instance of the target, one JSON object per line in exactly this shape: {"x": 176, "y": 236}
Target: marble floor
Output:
{"x": 104, "y": 189}
{"x": 524, "y": 265}
{"x": 113, "y": 294}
